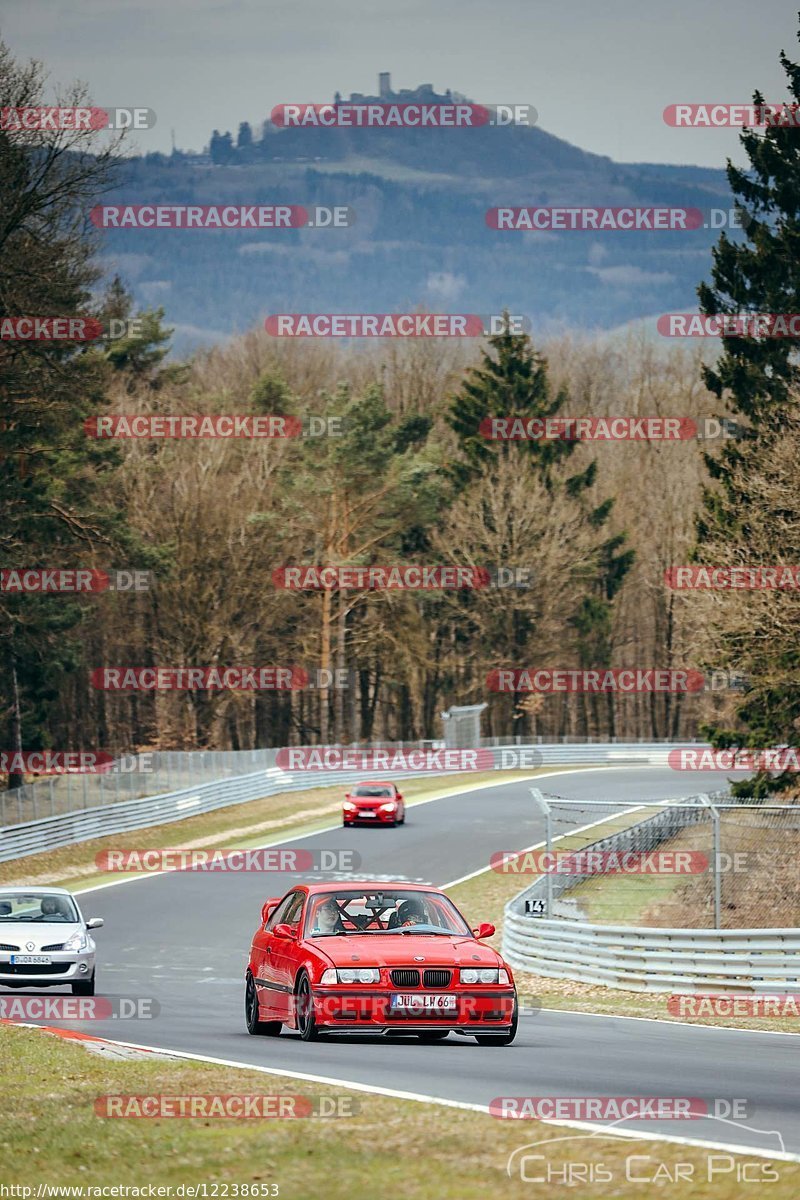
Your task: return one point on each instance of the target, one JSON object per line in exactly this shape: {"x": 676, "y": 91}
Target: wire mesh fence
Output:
{"x": 708, "y": 861}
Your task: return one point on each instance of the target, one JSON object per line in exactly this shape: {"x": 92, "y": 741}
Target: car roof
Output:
{"x": 375, "y": 783}
{"x": 361, "y": 885}
{"x": 13, "y": 889}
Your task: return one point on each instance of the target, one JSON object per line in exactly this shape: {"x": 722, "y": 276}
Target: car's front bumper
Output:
{"x": 476, "y": 1010}
{"x": 64, "y": 968}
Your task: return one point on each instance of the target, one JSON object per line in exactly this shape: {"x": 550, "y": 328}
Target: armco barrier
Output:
{"x": 47, "y": 833}
{"x": 655, "y": 960}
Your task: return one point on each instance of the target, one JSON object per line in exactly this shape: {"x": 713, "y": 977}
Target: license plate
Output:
{"x": 31, "y": 960}
{"x": 419, "y": 1003}
{"x": 366, "y": 814}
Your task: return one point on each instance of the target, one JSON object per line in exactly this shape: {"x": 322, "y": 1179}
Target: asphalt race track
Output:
{"x": 183, "y": 938}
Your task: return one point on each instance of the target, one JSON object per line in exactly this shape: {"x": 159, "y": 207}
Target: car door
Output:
{"x": 266, "y": 976}
{"x": 285, "y": 954}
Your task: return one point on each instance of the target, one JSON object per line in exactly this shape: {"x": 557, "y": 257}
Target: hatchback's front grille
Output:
{"x": 6, "y": 946}
{"x": 33, "y": 969}
{"x": 55, "y": 946}
{"x": 405, "y": 977}
{"x": 437, "y": 979}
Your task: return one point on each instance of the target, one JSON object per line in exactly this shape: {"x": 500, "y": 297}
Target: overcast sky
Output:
{"x": 599, "y": 72}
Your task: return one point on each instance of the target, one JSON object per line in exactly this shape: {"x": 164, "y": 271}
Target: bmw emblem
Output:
{"x": 30, "y": 945}
{"x": 419, "y": 958}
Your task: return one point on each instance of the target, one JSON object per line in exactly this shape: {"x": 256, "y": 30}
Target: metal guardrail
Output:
{"x": 62, "y": 829}
{"x": 647, "y": 959}
{"x": 655, "y": 960}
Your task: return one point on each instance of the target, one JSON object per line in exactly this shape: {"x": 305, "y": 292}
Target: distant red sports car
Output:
{"x": 388, "y": 958}
{"x": 374, "y": 804}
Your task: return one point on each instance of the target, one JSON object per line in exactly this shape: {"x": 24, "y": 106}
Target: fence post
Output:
{"x": 715, "y": 866}
{"x": 539, "y": 800}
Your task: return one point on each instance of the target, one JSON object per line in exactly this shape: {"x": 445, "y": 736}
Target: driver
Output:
{"x": 327, "y": 918}
{"x": 411, "y": 912}
{"x": 51, "y": 907}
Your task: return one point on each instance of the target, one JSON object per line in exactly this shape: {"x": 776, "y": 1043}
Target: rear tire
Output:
{"x": 254, "y": 1024}
{"x": 84, "y": 987}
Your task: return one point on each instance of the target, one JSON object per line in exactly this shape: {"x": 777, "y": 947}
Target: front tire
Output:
{"x": 254, "y": 1024}
{"x": 304, "y": 1007}
{"x": 500, "y": 1039}
{"x": 84, "y": 987}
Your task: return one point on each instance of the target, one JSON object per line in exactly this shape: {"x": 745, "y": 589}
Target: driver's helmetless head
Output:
{"x": 327, "y": 915}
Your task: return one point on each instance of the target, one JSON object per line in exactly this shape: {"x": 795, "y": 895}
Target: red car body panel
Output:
{"x": 276, "y": 963}
{"x": 368, "y": 810}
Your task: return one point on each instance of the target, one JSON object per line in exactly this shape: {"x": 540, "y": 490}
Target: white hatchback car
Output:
{"x": 45, "y": 940}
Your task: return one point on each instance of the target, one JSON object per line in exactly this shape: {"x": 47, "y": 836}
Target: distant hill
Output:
{"x": 420, "y": 236}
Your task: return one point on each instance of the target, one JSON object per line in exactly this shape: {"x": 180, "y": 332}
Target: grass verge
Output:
{"x": 50, "y": 1135}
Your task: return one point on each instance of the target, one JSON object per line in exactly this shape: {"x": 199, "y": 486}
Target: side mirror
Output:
{"x": 95, "y": 923}
{"x": 285, "y": 931}
{"x": 398, "y": 796}
{"x": 484, "y": 931}
{"x": 268, "y": 908}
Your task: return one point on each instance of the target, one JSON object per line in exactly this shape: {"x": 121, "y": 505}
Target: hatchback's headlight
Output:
{"x": 390, "y": 806}
{"x": 349, "y": 805}
{"x": 479, "y": 974}
{"x": 78, "y": 941}
{"x": 360, "y": 975}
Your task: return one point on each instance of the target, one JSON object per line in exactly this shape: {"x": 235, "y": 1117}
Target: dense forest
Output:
{"x": 402, "y": 475}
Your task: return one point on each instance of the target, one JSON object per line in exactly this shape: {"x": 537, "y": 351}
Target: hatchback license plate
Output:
{"x": 31, "y": 960}
{"x": 420, "y": 1003}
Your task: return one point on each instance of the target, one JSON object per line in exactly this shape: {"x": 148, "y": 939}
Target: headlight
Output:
{"x": 348, "y": 805}
{"x": 360, "y": 975}
{"x": 328, "y": 976}
{"x": 503, "y": 976}
{"x": 479, "y": 974}
{"x": 78, "y": 941}
{"x": 390, "y": 806}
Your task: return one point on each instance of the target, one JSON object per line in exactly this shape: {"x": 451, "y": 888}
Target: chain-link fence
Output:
{"x": 707, "y": 861}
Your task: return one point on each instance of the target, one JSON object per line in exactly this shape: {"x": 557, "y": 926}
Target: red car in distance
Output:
{"x": 374, "y": 804}
{"x": 380, "y": 958}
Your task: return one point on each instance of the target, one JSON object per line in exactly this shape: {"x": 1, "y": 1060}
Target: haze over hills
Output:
{"x": 420, "y": 236}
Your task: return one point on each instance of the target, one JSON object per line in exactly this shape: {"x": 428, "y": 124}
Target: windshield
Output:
{"x": 383, "y": 911}
{"x": 374, "y": 791}
{"x": 18, "y": 907}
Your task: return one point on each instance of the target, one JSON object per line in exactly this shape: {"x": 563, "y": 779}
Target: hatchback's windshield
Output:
{"x": 374, "y": 791}
{"x": 37, "y": 906}
{"x": 383, "y": 911}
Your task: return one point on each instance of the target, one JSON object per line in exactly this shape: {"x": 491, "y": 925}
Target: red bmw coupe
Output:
{"x": 383, "y": 958}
